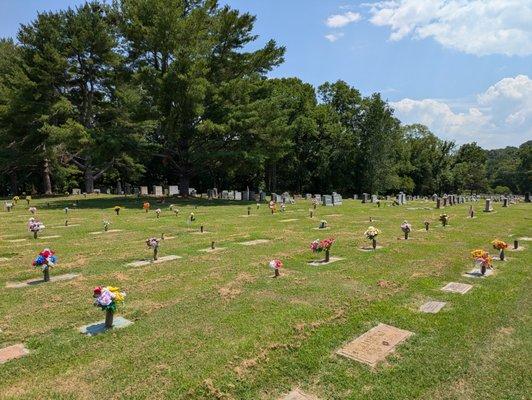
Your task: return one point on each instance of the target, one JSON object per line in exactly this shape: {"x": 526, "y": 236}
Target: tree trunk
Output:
{"x": 89, "y": 180}
{"x": 14, "y": 182}
{"x": 184, "y": 183}
{"x": 47, "y": 183}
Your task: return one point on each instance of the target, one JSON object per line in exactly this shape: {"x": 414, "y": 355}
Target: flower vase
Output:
{"x": 35, "y": 234}
{"x": 105, "y": 228}
{"x": 311, "y": 214}
{"x": 201, "y": 228}
{"x": 249, "y": 211}
{"x": 66, "y": 222}
{"x": 146, "y": 210}
{"x": 276, "y": 273}
{"x": 374, "y": 243}
{"x": 109, "y": 319}
{"x": 327, "y": 255}
{"x": 46, "y": 274}
{"x": 155, "y": 251}
{"x": 117, "y": 212}
{"x": 483, "y": 269}
{"x": 406, "y": 235}
{"x": 314, "y": 205}
{"x": 212, "y": 245}
{"x": 516, "y": 244}
{"x": 501, "y": 255}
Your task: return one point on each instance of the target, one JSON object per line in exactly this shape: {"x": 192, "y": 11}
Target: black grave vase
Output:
{"x": 35, "y": 234}
{"x": 483, "y": 269}
{"x": 46, "y": 274}
{"x": 109, "y": 319}
{"x": 374, "y": 243}
{"x": 155, "y": 251}
{"x": 501, "y": 255}
{"x": 327, "y": 255}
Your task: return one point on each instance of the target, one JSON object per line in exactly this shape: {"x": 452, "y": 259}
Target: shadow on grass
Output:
{"x": 132, "y": 202}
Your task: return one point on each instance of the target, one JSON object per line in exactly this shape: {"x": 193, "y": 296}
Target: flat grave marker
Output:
{"x": 297, "y": 394}
{"x": 254, "y": 242}
{"x": 323, "y": 262}
{"x": 13, "y": 352}
{"x": 475, "y": 273}
{"x": 99, "y": 327}
{"x": 432, "y": 307}
{"x": 289, "y": 220}
{"x": 31, "y": 282}
{"x": 17, "y": 240}
{"x": 142, "y": 263}
{"x": 109, "y": 231}
{"x": 374, "y": 345}
{"x": 455, "y": 287}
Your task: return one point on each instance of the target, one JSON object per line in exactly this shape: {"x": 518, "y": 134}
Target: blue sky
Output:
{"x": 464, "y": 68}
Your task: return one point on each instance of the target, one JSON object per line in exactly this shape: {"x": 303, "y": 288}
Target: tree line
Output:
{"x": 167, "y": 91}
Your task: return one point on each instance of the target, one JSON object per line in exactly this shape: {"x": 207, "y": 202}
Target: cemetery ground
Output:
{"x": 215, "y": 325}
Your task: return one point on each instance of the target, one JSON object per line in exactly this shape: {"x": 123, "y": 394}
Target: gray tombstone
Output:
{"x": 173, "y": 190}
{"x": 157, "y": 190}
{"x": 327, "y": 200}
{"x": 336, "y": 199}
{"x": 438, "y": 203}
{"x": 127, "y": 188}
{"x": 505, "y": 202}
{"x": 374, "y": 198}
{"x": 238, "y": 195}
{"x": 365, "y": 198}
{"x": 488, "y": 207}
{"x": 144, "y": 190}
{"x": 318, "y": 197}
{"x": 76, "y": 191}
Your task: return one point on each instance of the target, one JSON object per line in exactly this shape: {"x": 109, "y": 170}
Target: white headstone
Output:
{"x": 158, "y": 190}
{"x": 173, "y": 190}
{"x": 144, "y": 190}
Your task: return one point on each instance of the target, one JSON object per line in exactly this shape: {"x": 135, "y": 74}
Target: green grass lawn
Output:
{"x": 217, "y": 326}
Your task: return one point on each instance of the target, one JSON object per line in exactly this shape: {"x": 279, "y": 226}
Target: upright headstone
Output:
{"x": 488, "y": 207}
{"x": 144, "y": 190}
{"x": 76, "y": 191}
{"x": 374, "y": 198}
{"x": 225, "y": 195}
{"x": 157, "y": 190}
{"x": 238, "y": 195}
{"x": 308, "y": 196}
{"x": 327, "y": 200}
{"x": 365, "y": 198}
{"x": 318, "y": 197}
{"x": 119, "y": 188}
{"x": 262, "y": 196}
{"x": 173, "y": 190}
{"x": 127, "y": 188}
{"x": 527, "y": 197}
{"x": 336, "y": 199}
{"x": 438, "y": 203}
{"x": 355, "y": 197}
{"x": 505, "y": 202}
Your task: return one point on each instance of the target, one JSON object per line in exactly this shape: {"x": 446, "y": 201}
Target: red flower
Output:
{"x": 97, "y": 291}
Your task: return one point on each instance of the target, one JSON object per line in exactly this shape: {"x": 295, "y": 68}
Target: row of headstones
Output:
{"x": 401, "y": 198}
{"x": 452, "y": 199}
{"x": 329, "y": 200}
{"x": 157, "y": 190}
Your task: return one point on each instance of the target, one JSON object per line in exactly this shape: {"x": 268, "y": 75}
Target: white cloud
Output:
{"x": 333, "y": 37}
{"x": 341, "y": 20}
{"x": 498, "y": 117}
{"x": 479, "y": 27}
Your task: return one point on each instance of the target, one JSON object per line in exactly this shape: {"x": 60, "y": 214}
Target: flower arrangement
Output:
{"x": 106, "y": 225}
{"x": 427, "y": 224}
{"x": 8, "y": 206}
{"x": 483, "y": 259}
{"x": 66, "y": 210}
{"x": 35, "y": 226}
{"x": 406, "y": 228}
{"x": 258, "y": 206}
{"x": 171, "y": 207}
{"x": 117, "y": 209}
{"x": 146, "y": 206}
{"x": 275, "y": 265}
{"x": 283, "y": 207}
{"x": 28, "y": 199}
{"x": 32, "y": 210}
{"x": 372, "y": 233}
{"x": 317, "y": 246}
{"x": 158, "y": 212}
{"x": 323, "y": 224}
{"x": 444, "y": 219}
{"x": 16, "y": 199}
{"x": 107, "y": 298}
{"x": 501, "y": 246}
{"x": 153, "y": 243}
{"x": 192, "y": 217}
{"x": 45, "y": 260}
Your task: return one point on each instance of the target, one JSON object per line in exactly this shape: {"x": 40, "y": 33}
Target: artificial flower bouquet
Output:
{"x": 483, "y": 259}
{"x": 45, "y": 260}
{"x": 275, "y": 265}
{"x": 107, "y": 298}
{"x": 372, "y": 233}
{"x": 158, "y": 212}
{"x": 323, "y": 224}
{"x": 427, "y": 224}
{"x": 32, "y": 210}
{"x": 16, "y": 199}
{"x": 406, "y": 228}
{"x": 146, "y": 206}
{"x": 153, "y": 243}
{"x": 444, "y": 219}
{"x": 317, "y": 246}
{"x": 501, "y": 246}
{"x": 117, "y": 209}
{"x": 35, "y": 226}
{"x": 106, "y": 225}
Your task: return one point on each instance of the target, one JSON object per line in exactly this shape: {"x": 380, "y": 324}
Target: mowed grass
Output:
{"x": 217, "y": 326}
